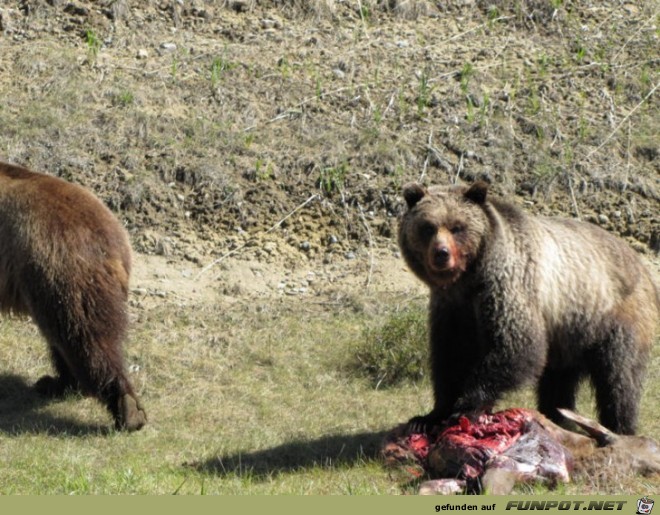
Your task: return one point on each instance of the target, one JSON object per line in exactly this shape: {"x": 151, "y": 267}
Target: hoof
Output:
{"x": 131, "y": 415}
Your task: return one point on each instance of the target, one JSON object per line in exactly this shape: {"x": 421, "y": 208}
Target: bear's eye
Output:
{"x": 427, "y": 230}
{"x": 456, "y": 229}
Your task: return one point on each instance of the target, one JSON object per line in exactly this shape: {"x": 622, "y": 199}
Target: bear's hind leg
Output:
{"x": 617, "y": 373}
{"x": 114, "y": 389}
{"x": 60, "y": 385}
{"x": 126, "y": 408}
{"x": 130, "y": 413}
{"x": 99, "y": 369}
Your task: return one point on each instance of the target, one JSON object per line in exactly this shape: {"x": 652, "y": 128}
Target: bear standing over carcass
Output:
{"x": 65, "y": 260}
{"x": 517, "y": 298}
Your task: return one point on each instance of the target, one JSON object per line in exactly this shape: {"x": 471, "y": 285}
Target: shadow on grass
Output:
{"x": 334, "y": 450}
{"x": 21, "y": 413}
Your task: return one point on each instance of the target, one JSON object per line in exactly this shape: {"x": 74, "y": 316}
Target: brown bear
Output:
{"x": 517, "y": 298}
{"x": 65, "y": 261}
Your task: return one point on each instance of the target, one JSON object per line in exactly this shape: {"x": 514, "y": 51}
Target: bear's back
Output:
{"x": 586, "y": 275}
{"x": 48, "y": 228}
{"x": 50, "y": 215}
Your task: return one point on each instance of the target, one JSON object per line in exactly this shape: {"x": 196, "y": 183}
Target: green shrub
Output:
{"x": 396, "y": 351}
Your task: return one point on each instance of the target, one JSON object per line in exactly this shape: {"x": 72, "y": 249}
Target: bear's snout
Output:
{"x": 441, "y": 257}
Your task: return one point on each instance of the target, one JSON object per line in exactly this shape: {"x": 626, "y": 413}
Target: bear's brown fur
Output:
{"x": 517, "y": 298}
{"x": 65, "y": 260}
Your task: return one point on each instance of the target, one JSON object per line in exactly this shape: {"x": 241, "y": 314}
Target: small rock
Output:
{"x": 142, "y": 54}
{"x": 332, "y": 239}
{"x": 267, "y": 23}
{"x": 305, "y": 245}
{"x": 168, "y": 47}
{"x": 486, "y": 176}
{"x": 631, "y": 9}
{"x": 338, "y": 73}
{"x": 76, "y": 10}
{"x": 163, "y": 248}
{"x": 602, "y": 219}
{"x": 240, "y": 6}
{"x": 193, "y": 258}
{"x": 350, "y": 255}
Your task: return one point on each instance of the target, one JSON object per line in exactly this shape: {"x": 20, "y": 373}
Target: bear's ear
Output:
{"x": 413, "y": 192}
{"x": 477, "y": 192}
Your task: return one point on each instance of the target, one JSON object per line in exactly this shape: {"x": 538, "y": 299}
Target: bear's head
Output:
{"x": 441, "y": 233}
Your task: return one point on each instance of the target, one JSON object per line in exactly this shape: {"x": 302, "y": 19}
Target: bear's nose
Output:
{"x": 441, "y": 256}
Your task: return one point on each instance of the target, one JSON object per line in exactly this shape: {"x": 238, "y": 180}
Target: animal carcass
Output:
{"x": 496, "y": 451}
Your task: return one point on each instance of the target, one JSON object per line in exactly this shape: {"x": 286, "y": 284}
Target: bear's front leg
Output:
{"x": 453, "y": 350}
{"x": 514, "y": 352}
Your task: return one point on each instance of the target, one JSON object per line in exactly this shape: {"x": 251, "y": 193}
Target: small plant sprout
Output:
{"x": 423, "y": 91}
{"x": 543, "y": 63}
{"x": 396, "y": 351}
{"x": 125, "y": 98}
{"x": 580, "y": 51}
{"x": 493, "y": 13}
{"x": 219, "y": 66}
{"x": 470, "y": 108}
{"x": 263, "y": 171}
{"x": 465, "y": 75}
{"x": 174, "y": 68}
{"x": 93, "y": 43}
{"x": 332, "y": 178}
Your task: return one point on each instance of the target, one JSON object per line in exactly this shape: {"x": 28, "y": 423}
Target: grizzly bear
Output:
{"x": 516, "y": 298}
{"x": 65, "y": 261}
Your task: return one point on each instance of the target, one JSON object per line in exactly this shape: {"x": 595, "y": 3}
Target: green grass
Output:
{"x": 93, "y": 44}
{"x": 248, "y": 400}
{"x": 397, "y": 350}
{"x": 238, "y": 403}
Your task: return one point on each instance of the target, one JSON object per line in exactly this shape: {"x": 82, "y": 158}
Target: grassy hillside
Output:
{"x": 255, "y": 150}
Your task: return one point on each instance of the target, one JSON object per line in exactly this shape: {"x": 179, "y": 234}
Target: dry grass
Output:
{"x": 249, "y": 400}
{"x": 262, "y": 407}
{"x": 553, "y": 104}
